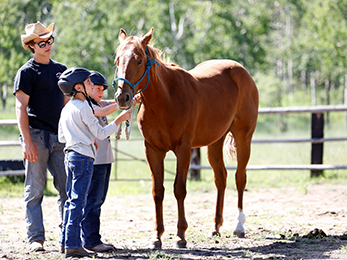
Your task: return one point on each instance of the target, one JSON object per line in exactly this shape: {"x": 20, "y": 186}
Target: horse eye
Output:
{"x": 139, "y": 62}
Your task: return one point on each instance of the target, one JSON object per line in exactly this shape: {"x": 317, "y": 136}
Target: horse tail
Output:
{"x": 230, "y": 147}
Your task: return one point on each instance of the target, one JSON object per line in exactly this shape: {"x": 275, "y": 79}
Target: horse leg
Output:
{"x": 183, "y": 160}
{"x": 155, "y": 160}
{"x": 215, "y": 158}
{"x": 243, "y": 146}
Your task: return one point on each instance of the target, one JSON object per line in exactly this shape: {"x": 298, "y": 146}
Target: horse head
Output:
{"x": 133, "y": 63}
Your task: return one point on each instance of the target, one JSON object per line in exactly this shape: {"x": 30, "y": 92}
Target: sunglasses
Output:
{"x": 43, "y": 43}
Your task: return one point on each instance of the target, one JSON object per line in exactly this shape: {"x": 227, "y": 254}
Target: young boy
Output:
{"x": 78, "y": 128}
{"x": 102, "y": 169}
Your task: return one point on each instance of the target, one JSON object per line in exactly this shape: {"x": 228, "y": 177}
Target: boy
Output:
{"x": 78, "y": 128}
{"x": 102, "y": 169}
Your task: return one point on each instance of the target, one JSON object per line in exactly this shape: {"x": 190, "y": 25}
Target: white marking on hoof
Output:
{"x": 239, "y": 229}
{"x": 155, "y": 245}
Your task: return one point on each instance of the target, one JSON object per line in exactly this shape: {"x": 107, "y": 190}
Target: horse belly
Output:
{"x": 216, "y": 114}
{"x": 207, "y": 134}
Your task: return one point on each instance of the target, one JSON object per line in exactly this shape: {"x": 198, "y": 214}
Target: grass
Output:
{"x": 297, "y": 126}
{"x": 161, "y": 255}
{"x": 256, "y": 179}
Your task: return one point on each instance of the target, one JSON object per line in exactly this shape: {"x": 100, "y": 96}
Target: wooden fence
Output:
{"x": 317, "y": 140}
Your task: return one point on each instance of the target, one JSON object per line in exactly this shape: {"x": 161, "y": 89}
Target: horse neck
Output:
{"x": 157, "y": 92}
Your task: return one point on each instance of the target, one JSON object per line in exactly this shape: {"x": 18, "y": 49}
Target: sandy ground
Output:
{"x": 281, "y": 224}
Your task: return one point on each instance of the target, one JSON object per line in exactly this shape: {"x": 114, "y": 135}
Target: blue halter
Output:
{"x": 148, "y": 67}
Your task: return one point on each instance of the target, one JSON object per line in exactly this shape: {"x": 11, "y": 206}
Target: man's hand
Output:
{"x": 29, "y": 151}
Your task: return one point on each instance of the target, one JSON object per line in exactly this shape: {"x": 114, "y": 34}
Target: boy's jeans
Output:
{"x": 51, "y": 157}
{"x": 80, "y": 171}
{"x": 96, "y": 197}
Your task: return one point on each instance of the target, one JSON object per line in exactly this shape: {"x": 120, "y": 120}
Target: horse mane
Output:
{"x": 153, "y": 53}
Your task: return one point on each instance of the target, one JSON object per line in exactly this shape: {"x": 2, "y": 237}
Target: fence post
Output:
{"x": 195, "y": 159}
{"x": 317, "y": 131}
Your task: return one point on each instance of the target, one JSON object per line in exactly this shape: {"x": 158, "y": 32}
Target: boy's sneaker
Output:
{"x": 78, "y": 252}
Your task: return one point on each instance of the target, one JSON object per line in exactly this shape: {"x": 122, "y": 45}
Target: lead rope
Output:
{"x": 119, "y": 132}
{"x": 127, "y": 127}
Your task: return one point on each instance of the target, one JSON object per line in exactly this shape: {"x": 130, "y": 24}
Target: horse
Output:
{"x": 181, "y": 110}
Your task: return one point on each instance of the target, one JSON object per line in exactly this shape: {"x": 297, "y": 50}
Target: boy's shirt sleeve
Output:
{"x": 61, "y": 136}
{"x": 93, "y": 124}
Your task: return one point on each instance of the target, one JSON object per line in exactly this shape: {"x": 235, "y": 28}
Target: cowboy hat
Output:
{"x": 36, "y": 30}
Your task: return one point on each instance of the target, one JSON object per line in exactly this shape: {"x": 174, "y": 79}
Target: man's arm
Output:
{"x": 29, "y": 149}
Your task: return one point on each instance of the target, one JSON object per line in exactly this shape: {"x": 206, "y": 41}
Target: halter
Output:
{"x": 148, "y": 67}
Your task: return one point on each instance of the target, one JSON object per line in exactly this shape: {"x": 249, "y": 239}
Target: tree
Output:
{"x": 321, "y": 44}
{"x": 12, "y": 24}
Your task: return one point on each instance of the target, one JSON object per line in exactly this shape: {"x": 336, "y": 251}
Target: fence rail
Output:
{"x": 316, "y": 167}
{"x": 315, "y": 141}
{"x": 307, "y": 109}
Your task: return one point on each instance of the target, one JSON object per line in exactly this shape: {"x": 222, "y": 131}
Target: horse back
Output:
{"x": 232, "y": 83}
{"x": 225, "y": 91}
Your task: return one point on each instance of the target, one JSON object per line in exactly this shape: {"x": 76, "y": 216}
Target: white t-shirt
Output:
{"x": 78, "y": 128}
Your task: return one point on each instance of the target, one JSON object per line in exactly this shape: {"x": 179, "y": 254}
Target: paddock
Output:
{"x": 302, "y": 222}
{"x": 286, "y": 223}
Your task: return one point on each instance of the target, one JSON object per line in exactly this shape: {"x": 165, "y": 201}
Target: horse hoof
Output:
{"x": 239, "y": 234}
{"x": 155, "y": 245}
{"x": 181, "y": 244}
{"x": 215, "y": 234}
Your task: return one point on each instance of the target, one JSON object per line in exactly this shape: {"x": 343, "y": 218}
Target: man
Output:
{"x": 39, "y": 102}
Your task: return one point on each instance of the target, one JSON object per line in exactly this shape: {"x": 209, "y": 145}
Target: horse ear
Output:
{"x": 147, "y": 37}
{"x": 122, "y": 35}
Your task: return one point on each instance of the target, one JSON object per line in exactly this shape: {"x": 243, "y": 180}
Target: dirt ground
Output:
{"x": 281, "y": 224}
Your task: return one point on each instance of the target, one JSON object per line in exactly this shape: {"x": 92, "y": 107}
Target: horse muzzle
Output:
{"x": 124, "y": 100}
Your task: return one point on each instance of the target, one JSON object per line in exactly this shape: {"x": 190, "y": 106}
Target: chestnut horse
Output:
{"x": 183, "y": 109}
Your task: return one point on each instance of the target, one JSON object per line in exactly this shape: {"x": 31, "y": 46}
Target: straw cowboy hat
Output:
{"x": 36, "y": 30}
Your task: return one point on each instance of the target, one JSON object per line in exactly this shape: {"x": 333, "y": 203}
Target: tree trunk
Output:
{"x": 345, "y": 98}
{"x": 327, "y": 97}
{"x": 313, "y": 89}
{"x": 195, "y": 159}
{"x": 4, "y": 95}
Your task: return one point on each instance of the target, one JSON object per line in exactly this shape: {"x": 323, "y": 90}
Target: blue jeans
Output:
{"x": 96, "y": 197}
{"x": 51, "y": 157}
{"x": 79, "y": 170}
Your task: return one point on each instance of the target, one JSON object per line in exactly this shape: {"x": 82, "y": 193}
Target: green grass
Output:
{"x": 297, "y": 126}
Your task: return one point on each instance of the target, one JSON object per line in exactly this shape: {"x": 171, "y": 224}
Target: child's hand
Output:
{"x": 125, "y": 115}
{"x": 136, "y": 99}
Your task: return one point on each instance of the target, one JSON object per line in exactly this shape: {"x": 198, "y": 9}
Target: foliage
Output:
{"x": 285, "y": 41}
{"x": 295, "y": 50}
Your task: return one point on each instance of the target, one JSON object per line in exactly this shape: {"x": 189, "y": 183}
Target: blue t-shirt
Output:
{"x": 40, "y": 82}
